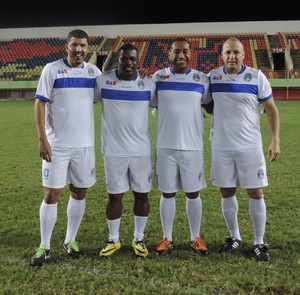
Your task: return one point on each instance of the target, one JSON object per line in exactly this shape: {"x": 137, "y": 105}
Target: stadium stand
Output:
{"x": 24, "y": 59}
{"x": 278, "y": 55}
{"x": 206, "y": 49}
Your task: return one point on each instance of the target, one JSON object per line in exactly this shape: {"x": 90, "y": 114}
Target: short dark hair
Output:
{"x": 127, "y": 46}
{"x": 180, "y": 39}
{"x": 77, "y": 33}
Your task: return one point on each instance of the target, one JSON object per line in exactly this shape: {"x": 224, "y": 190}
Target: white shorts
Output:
{"x": 70, "y": 166}
{"x": 245, "y": 168}
{"x": 176, "y": 169}
{"x": 122, "y": 173}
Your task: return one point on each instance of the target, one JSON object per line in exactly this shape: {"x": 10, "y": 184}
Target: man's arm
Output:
{"x": 44, "y": 146}
{"x": 273, "y": 120}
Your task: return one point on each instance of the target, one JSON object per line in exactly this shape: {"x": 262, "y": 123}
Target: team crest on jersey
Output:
{"x": 217, "y": 77}
{"x": 260, "y": 174}
{"x": 110, "y": 83}
{"x": 196, "y": 77}
{"x": 91, "y": 72}
{"x": 150, "y": 178}
{"x": 141, "y": 84}
{"x": 247, "y": 77}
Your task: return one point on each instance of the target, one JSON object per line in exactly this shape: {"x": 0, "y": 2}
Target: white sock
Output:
{"x": 230, "y": 208}
{"x": 139, "y": 227}
{"x": 167, "y": 213}
{"x": 258, "y": 212}
{"x": 75, "y": 212}
{"x": 48, "y": 216}
{"x": 113, "y": 228}
{"x": 194, "y": 214}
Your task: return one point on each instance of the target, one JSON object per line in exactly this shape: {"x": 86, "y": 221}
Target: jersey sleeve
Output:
{"x": 45, "y": 84}
{"x": 264, "y": 88}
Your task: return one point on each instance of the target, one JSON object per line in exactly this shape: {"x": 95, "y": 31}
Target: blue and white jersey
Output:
{"x": 236, "y": 120}
{"x": 125, "y": 108}
{"x": 69, "y": 93}
{"x": 180, "y": 116}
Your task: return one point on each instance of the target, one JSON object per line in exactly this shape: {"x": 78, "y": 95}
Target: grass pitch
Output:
{"x": 179, "y": 273}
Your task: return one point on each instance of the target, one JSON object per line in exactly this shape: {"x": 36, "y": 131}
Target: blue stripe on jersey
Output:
{"x": 237, "y": 88}
{"x": 180, "y": 86}
{"x": 114, "y": 94}
{"x": 74, "y": 83}
{"x": 266, "y": 98}
{"x": 43, "y": 98}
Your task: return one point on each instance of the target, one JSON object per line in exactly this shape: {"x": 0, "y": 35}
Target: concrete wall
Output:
{"x": 269, "y": 27}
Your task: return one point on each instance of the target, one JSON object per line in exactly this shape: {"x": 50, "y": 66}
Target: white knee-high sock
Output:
{"x": 139, "y": 227}
{"x": 113, "y": 228}
{"x": 75, "y": 212}
{"x": 48, "y": 217}
{"x": 230, "y": 208}
{"x": 167, "y": 213}
{"x": 194, "y": 214}
{"x": 258, "y": 212}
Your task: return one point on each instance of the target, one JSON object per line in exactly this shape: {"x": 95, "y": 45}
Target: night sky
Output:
{"x": 67, "y": 13}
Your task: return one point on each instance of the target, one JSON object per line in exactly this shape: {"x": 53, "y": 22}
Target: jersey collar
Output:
{"x": 66, "y": 62}
{"x": 119, "y": 77}
{"x": 187, "y": 72}
{"x": 241, "y": 71}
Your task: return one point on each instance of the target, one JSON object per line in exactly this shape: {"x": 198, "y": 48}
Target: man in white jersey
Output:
{"x": 181, "y": 94}
{"x": 126, "y": 146}
{"x": 237, "y": 154}
{"x": 64, "y": 115}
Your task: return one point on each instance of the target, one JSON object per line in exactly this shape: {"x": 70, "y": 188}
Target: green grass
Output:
{"x": 180, "y": 273}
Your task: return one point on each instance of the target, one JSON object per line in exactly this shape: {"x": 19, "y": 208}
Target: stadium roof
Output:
{"x": 67, "y": 13}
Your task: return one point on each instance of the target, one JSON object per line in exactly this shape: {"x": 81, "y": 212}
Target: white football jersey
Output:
{"x": 125, "y": 108}
{"x": 180, "y": 115}
{"x": 236, "y": 120}
{"x": 69, "y": 93}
